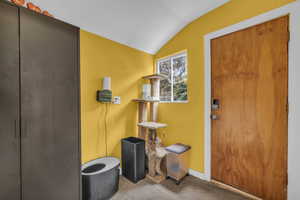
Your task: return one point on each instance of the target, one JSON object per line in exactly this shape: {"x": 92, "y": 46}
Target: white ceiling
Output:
{"x": 142, "y": 24}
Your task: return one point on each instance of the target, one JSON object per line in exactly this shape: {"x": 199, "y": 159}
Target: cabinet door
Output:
{"x": 49, "y": 108}
{"x": 9, "y": 103}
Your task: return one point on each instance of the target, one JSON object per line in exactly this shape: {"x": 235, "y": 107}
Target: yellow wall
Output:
{"x": 186, "y": 121}
{"x": 101, "y": 57}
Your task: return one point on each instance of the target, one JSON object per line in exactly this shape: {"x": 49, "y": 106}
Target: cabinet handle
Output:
{"x": 16, "y": 128}
{"x": 24, "y": 129}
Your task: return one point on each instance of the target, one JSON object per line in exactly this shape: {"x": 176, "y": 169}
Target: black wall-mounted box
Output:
{"x": 104, "y": 96}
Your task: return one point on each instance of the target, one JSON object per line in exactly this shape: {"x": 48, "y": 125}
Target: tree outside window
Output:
{"x": 173, "y": 89}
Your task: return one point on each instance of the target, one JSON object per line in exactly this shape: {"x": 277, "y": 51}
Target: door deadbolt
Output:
{"x": 215, "y": 104}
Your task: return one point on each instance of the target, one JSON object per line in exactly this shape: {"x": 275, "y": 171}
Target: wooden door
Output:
{"x": 9, "y": 103}
{"x": 50, "y": 108}
{"x": 249, "y": 136}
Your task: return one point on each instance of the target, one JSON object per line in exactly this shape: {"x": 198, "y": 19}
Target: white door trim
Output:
{"x": 292, "y": 9}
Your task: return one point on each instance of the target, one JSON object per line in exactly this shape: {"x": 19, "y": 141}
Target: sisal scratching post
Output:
{"x": 142, "y": 118}
{"x": 148, "y": 129}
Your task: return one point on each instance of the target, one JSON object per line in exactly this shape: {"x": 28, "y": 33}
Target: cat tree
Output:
{"x": 148, "y": 129}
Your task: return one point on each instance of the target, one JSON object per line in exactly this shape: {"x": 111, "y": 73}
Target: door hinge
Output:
{"x": 287, "y": 108}
{"x": 289, "y": 36}
{"x": 287, "y": 179}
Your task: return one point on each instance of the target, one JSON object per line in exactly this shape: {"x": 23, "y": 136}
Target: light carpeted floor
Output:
{"x": 191, "y": 188}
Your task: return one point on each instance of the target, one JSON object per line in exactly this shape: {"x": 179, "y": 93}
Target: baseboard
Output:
{"x": 192, "y": 172}
{"x": 235, "y": 190}
{"x": 197, "y": 174}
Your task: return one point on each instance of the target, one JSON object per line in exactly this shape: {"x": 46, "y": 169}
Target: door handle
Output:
{"x": 214, "y": 117}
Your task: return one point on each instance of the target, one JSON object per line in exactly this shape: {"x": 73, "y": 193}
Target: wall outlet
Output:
{"x": 117, "y": 100}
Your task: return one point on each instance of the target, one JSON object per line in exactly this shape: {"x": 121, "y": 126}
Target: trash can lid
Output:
{"x": 133, "y": 140}
{"x": 178, "y": 148}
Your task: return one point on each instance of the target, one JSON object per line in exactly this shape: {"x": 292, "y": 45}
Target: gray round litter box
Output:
{"x": 100, "y": 178}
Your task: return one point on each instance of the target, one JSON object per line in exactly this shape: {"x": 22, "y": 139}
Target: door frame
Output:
{"x": 294, "y": 47}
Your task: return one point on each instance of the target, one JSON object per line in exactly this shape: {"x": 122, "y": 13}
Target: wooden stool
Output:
{"x": 177, "y": 161}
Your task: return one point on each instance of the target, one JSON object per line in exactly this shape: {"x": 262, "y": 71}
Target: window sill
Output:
{"x": 171, "y": 102}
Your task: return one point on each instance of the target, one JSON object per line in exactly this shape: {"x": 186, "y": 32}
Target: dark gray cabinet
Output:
{"x": 9, "y": 103}
{"x": 39, "y": 102}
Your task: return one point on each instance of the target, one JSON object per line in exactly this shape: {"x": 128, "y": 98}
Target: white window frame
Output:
{"x": 172, "y": 57}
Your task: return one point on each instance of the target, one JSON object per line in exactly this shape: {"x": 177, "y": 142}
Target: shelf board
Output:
{"x": 155, "y": 76}
{"x": 152, "y": 125}
{"x": 145, "y": 101}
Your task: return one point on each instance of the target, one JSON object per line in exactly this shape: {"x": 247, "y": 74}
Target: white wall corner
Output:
{"x": 198, "y": 174}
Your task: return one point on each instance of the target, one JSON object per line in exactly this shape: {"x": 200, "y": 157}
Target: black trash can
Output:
{"x": 133, "y": 159}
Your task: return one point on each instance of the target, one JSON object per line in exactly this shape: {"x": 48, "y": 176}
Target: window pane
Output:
{"x": 180, "y": 79}
{"x": 165, "y": 85}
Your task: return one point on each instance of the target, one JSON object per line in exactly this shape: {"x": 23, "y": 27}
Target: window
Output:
{"x": 173, "y": 89}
